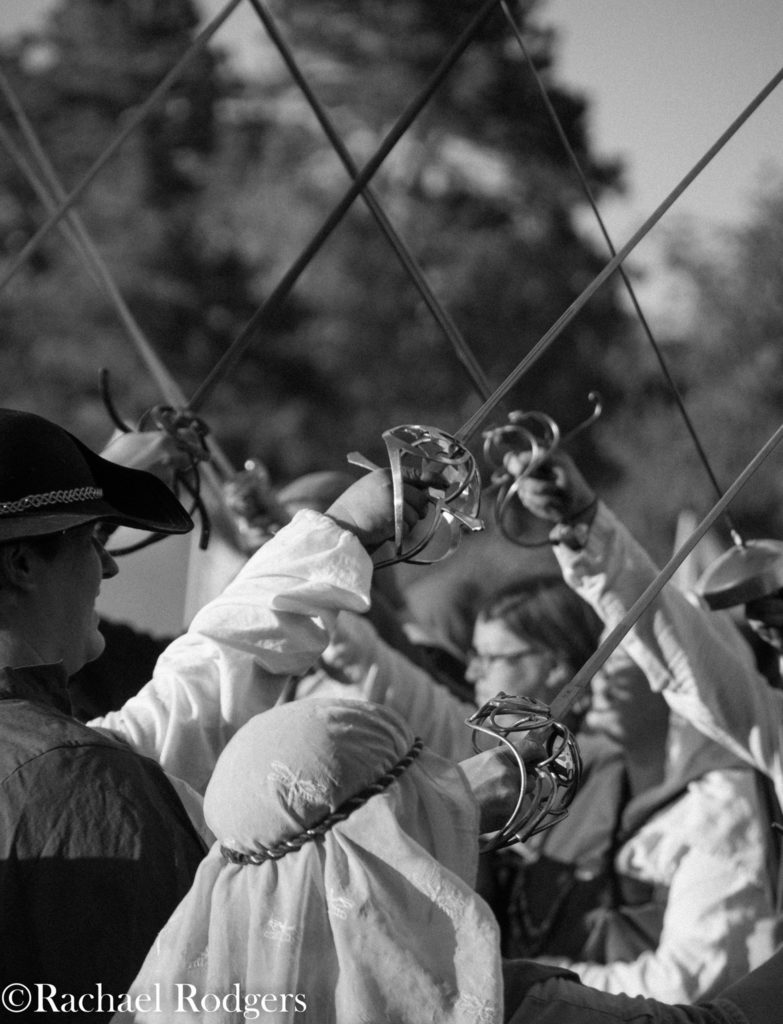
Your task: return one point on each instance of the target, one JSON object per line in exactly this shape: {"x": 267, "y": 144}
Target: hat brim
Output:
{"x": 743, "y": 574}
{"x": 131, "y": 497}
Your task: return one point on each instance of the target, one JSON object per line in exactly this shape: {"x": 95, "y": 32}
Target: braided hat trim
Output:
{"x": 9, "y": 508}
{"x": 264, "y": 853}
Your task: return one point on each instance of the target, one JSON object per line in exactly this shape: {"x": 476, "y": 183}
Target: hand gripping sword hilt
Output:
{"x": 519, "y": 449}
{"x": 550, "y": 768}
{"x": 417, "y": 452}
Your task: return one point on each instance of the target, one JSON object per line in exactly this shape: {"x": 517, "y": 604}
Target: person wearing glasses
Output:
{"x": 655, "y": 882}
{"x": 528, "y": 639}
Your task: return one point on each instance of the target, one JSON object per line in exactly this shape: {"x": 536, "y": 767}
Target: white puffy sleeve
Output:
{"x": 271, "y": 622}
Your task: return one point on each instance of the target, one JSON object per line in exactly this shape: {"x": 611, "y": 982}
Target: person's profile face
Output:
{"x": 765, "y": 618}
{"x": 69, "y": 588}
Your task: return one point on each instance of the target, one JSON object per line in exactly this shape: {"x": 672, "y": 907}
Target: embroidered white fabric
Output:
{"x": 375, "y": 921}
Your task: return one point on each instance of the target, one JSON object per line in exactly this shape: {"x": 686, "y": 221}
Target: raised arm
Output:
{"x": 270, "y": 623}
{"x": 696, "y": 658}
{"x": 367, "y": 666}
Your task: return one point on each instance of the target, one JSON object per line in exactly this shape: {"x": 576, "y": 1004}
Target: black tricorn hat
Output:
{"x": 50, "y": 481}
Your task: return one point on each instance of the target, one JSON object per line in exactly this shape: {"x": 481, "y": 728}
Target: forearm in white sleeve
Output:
{"x": 271, "y": 622}
{"x": 703, "y": 671}
{"x": 379, "y": 672}
{"x": 436, "y": 715}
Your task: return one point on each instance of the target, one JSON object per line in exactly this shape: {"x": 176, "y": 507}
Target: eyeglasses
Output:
{"x": 485, "y": 661}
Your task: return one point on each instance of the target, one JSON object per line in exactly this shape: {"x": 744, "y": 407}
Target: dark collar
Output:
{"x": 45, "y": 684}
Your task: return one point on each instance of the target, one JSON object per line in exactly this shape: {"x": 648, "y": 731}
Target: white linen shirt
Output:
{"x": 696, "y": 658}
{"x": 704, "y": 669}
{"x": 271, "y": 622}
{"x": 358, "y": 663}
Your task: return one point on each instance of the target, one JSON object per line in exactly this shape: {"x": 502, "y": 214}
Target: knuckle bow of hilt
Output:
{"x": 549, "y": 764}
{"x": 421, "y": 453}
{"x": 187, "y": 431}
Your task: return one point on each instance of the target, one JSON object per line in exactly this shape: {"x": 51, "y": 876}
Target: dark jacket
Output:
{"x": 95, "y": 847}
{"x": 545, "y": 904}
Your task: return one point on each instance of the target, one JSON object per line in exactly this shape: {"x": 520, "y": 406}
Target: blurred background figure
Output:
{"x": 528, "y": 640}
{"x": 657, "y": 880}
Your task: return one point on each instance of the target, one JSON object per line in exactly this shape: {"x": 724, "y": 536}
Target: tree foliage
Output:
{"x": 730, "y": 358}
{"x": 479, "y": 188}
{"x": 93, "y": 65}
{"x": 204, "y": 209}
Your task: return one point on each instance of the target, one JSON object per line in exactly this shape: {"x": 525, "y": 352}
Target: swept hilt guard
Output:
{"x": 188, "y": 433}
{"x": 547, "y": 782}
{"x": 416, "y": 452}
{"x": 256, "y": 511}
{"x": 532, "y": 434}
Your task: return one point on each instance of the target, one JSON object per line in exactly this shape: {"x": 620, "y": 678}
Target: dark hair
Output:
{"x": 548, "y": 613}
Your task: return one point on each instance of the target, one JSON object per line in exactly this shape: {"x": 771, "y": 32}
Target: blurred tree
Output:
{"x": 732, "y": 353}
{"x": 203, "y": 209}
{"x": 92, "y": 65}
{"x": 479, "y": 188}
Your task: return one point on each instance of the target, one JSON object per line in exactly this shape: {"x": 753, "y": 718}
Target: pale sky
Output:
{"x": 666, "y": 79}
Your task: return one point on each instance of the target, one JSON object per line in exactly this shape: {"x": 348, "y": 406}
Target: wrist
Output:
{"x": 342, "y": 517}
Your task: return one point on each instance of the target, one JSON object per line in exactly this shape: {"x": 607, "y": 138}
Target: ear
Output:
{"x": 17, "y": 565}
